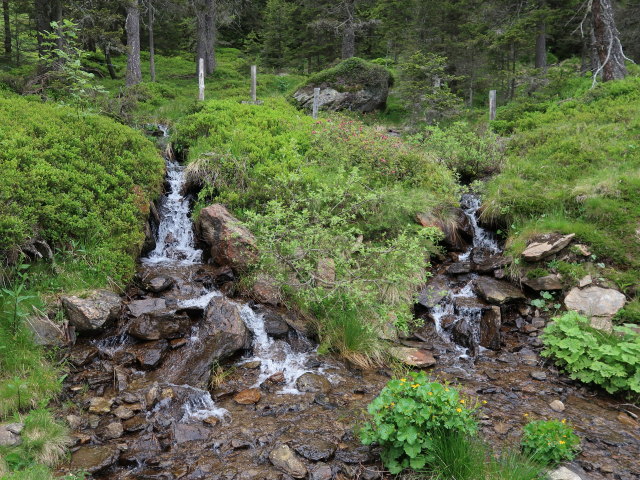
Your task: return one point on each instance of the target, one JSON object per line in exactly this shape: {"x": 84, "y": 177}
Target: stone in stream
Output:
{"x": 283, "y": 458}
{"x": 81, "y": 355}
{"x": 546, "y": 245}
{"x": 231, "y": 243}
{"x": 434, "y": 291}
{"x": 93, "y": 459}
{"x": 100, "y": 404}
{"x": 321, "y": 471}
{"x": 158, "y": 284}
{"x": 311, "y": 382}
{"x": 546, "y": 283}
{"x": 563, "y": 473}
{"x": 92, "y": 311}
{"x": 557, "y": 406}
{"x": 154, "y": 326}
{"x": 275, "y": 325}
{"x": 497, "y": 292}
{"x": 490, "y": 323}
{"x": 111, "y": 431}
{"x": 315, "y": 448}
{"x": 247, "y": 397}
{"x": 459, "y": 268}
{"x": 601, "y": 304}
{"x": 413, "y": 356}
{"x": 491, "y": 263}
{"x": 147, "y": 305}
{"x": 149, "y": 354}
{"x": 538, "y": 375}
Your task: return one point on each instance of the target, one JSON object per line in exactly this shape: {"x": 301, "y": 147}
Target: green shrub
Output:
{"x": 630, "y": 313}
{"x": 409, "y": 414}
{"x": 549, "y": 442}
{"x": 352, "y": 73}
{"x": 611, "y": 361}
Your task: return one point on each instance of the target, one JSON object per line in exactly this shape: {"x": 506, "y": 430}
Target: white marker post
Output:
{"x": 201, "y": 79}
{"x": 492, "y": 105}
{"x": 254, "y": 83}
{"x": 316, "y": 102}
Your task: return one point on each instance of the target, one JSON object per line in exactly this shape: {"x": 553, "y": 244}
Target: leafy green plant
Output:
{"x": 611, "y": 361}
{"x": 407, "y": 417}
{"x": 549, "y": 442}
{"x": 16, "y": 298}
{"x": 545, "y": 302}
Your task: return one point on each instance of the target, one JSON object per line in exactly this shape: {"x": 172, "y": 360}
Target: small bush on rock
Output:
{"x": 611, "y": 361}
{"x": 549, "y": 442}
{"x": 407, "y": 417}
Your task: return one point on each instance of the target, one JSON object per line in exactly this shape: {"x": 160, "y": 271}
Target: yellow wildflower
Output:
{"x": 561, "y": 442}
{"x": 403, "y": 379}
{"x": 462, "y": 402}
{"x": 484, "y": 402}
{"x": 564, "y": 420}
{"x": 430, "y": 393}
{"x": 458, "y": 410}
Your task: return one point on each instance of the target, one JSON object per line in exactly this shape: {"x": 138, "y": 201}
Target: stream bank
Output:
{"x": 148, "y": 409}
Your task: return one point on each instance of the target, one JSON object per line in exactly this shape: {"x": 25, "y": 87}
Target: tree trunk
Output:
{"x": 206, "y": 33}
{"x": 46, "y": 11}
{"x": 7, "y": 29}
{"x": 107, "y": 58}
{"x": 132, "y": 25}
{"x": 541, "y": 47}
{"x": 607, "y": 42}
{"x": 348, "y": 41}
{"x": 152, "y": 48}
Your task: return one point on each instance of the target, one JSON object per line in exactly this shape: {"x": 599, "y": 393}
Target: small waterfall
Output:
{"x": 482, "y": 239}
{"x": 175, "y": 242}
{"x": 275, "y": 356}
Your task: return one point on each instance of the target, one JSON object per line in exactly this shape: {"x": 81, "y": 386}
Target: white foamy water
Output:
{"x": 274, "y": 355}
{"x": 199, "y": 302}
{"x": 482, "y": 239}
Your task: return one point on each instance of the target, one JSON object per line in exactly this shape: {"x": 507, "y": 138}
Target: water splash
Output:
{"x": 482, "y": 239}
{"x": 275, "y": 356}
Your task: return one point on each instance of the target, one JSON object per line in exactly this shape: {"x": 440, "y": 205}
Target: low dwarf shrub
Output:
{"x": 549, "y": 442}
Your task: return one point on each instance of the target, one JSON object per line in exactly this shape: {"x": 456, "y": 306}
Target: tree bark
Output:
{"x": 348, "y": 41}
{"x": 206, "y": 33}
{"x": 132, "y": 26}
{"x": 607, "y": 42}
{"x": 7, "y": 29}
{"x": 46, "y": 11}
{"x": 107, "y": 58}
{"x": 152, "y": 48}
{"x": 541, "y": 47}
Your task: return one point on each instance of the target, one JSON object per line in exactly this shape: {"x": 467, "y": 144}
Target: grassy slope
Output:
{"x": 574, "y": 166}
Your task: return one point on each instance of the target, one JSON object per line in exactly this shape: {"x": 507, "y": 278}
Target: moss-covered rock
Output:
{"x": 353, "y": 84}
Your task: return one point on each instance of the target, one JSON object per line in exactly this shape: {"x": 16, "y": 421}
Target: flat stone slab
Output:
{"x": 548, "y": 282}
{"x": 497, "y": 292}
{"x": 546, "y": 245}
{"x": 435, "y": 290}
{"x": 413, "y": 356}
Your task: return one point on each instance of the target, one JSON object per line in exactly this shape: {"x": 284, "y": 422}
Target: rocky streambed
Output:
{"x": 178, "y": 380}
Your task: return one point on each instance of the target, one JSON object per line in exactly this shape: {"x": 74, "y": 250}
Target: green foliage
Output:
{"x": 611, "y": 361}
{"x": 630, "y": 313}
{"x": 424, "y": 87}
{"x": 408, "y": 416}
{"x": 353, "y": 73}
{"x": 68, "y": 178}
{"x": 546, "y": 302}
{"x": 463, "y": 150}
{"x": 327, "y": 192}
{"x": 537, "y": 273}
{"x": 549, "y": 442}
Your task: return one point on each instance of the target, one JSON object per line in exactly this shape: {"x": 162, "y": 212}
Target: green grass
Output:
{"x": 574, "y": 167}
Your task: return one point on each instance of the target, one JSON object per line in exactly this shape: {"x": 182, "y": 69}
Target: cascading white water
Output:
{"x": 175, "y": 242}
{"x": 275, "y": 356}
{"x": 482, "y": 239}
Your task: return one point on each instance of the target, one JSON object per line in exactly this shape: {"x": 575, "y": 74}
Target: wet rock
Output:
{"x": 274, "y": 382}
{"x": 595, "y": 302}
{"x": 315, "y": 449}
{"x": 247, "y": 397}
{"x": 413, "y": 356}
{"x": 222, "y": 333}
{"x": 283, "y": 458}
{"x": 563, "y": 473}
{"x": 186, "y": 432}
{"x": 490, "y": 323}
{"x": 537, "y": 375}
{"x": 100, "y": 405}
{"x": 459, "y": 268}
{"x": 134, "y": 424}
{"x": 502, "y": 428}
{"x": 149, "y": 354}
{"x": 275, "y": 326}
{"x": 158, "y": 284}
{"x": 265, "y": 290}
{"x": 320, "y": 472}
{"x": 10, "y": 434}
{"x": 627, "y": 420}
{"x": 111, "y": 431}
{"x": 491, "y": 263}
{"x": 252, "y": 365}
{"x": 140, "y": 450}
{"x": 93, "y": 311}
{"x": 497, "y": 292}
{"x": 123, "y": 413}
{"x": 299, "y": 323}
{"x": 546, "y": 245}
{"x": 354, "y": 455}
{"x": 156, "y": 326}
{"x": 463, "y": 334}
{"x": 74, "y": 421}
{"x": 547, "y": 283}
{"x": 311, "y": 382}
{"x": 436, "y": 289}
{"x": 457, "y": 230}
{"x": 538, "y": 322}
{"x": 81, "y": 355}
{"x": 93, "y": 459}
{"x": 146, "y": 306}
{"x": 557, "y": 406}
{"x": 230, "y": 242}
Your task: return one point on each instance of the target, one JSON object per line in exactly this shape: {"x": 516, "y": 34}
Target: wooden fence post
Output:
{"x": 492, "y": 105}
{"x": 254, "y": 82}
{"x": 316, "y": 102}
{"x": 201, "y": 79}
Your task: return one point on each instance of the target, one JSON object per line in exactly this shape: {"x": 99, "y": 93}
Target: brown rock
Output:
{"x": 93, "y": 459}
{"x": 490, "y": 324}
{"x": 247, "y": 397}
{"x": 501, "y": 428}
{"x": 546, "y": 283}
{"x": 100, "y": 405}
{"x": 497, "y": 292}
{"x": 285, "y": 459}
{"x": 93, "y": 311}
{"x": 546, "y": 245}
{"x": 413, "y": 356}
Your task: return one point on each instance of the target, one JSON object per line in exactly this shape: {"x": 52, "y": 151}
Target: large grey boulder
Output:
{"x": 600, "y": 304}
{"x": 92, "y": 311}
{"x": 161, "y": 325}
{"x": 354, "y": 84}
{"x": 231, "y": 244}
{"x": 546, "y": 245}
{"x": 10, "y": 434}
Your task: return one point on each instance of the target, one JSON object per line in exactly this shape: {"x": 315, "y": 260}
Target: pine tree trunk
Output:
{"x": 541, "y": 47}
{"x": 152, "y": 48}
{"x": 132, "y": 26}
{"x": 7, "y": 29}
{"x": 107, "y": 58}
{"x": 607, "y": 41}
{"x": 206, "y": 33}
{"x": 348, "y": 41}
